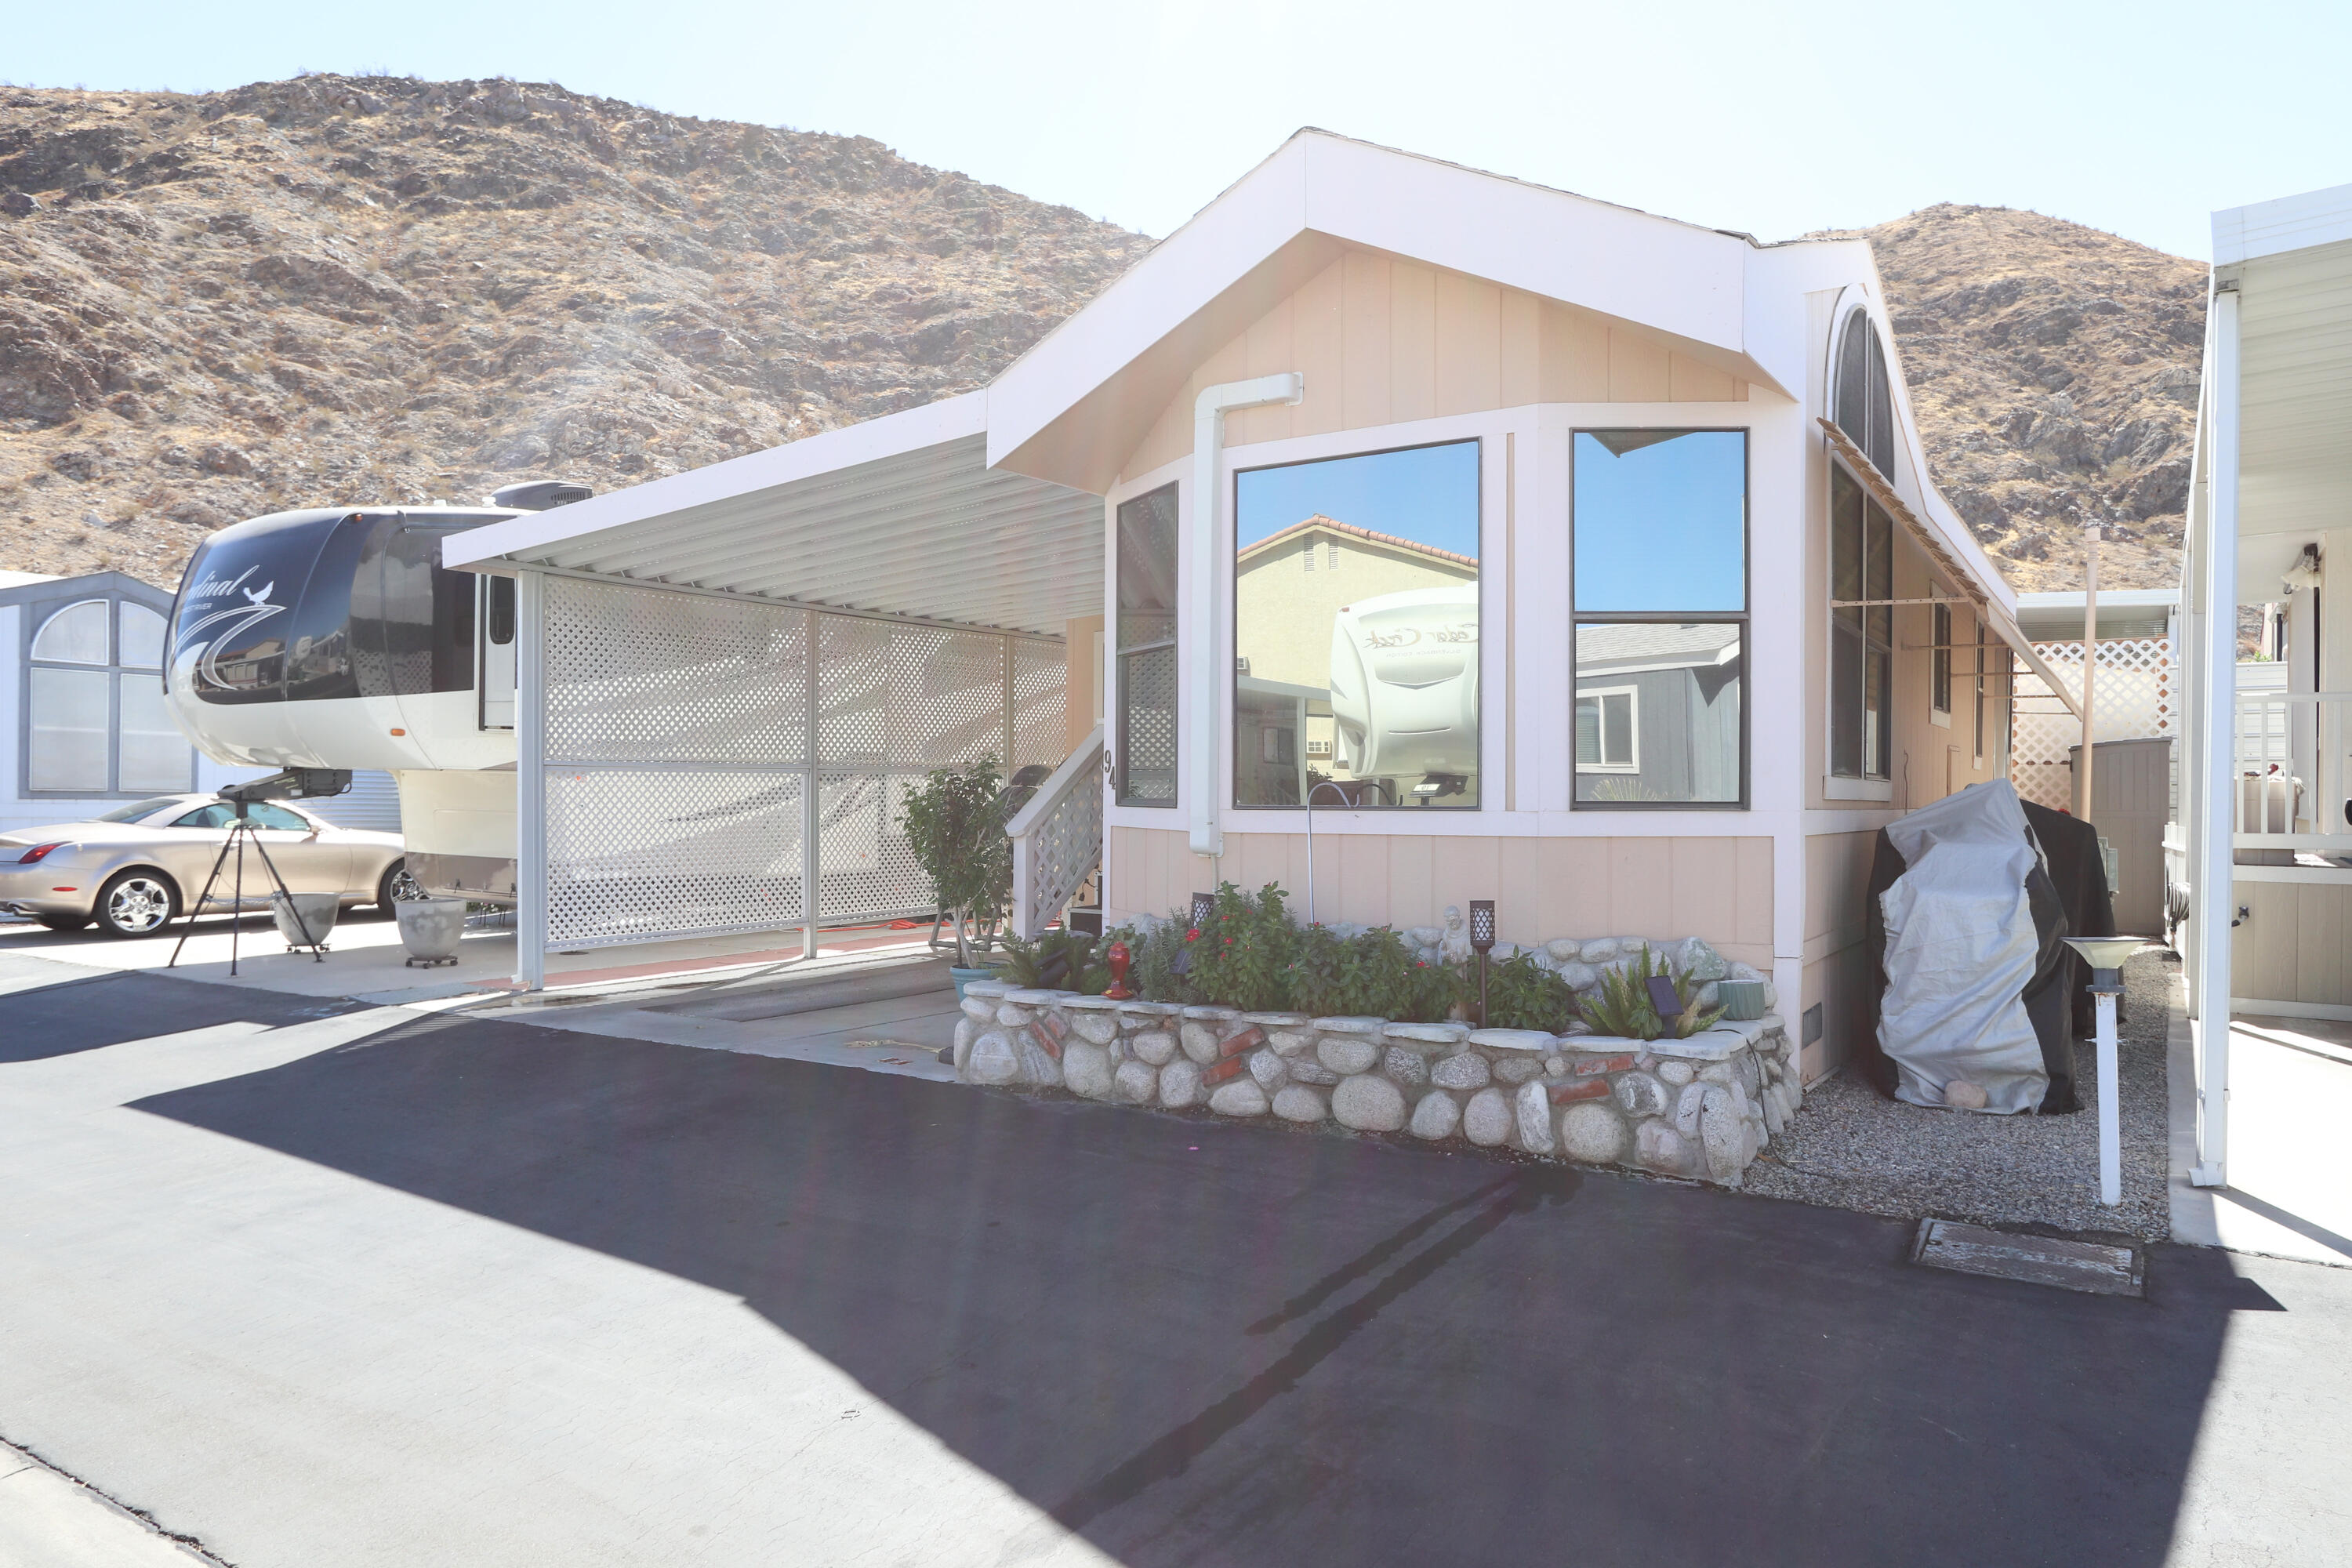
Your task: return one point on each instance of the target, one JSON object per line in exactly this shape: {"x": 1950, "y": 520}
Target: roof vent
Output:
{"x": 540, "y": 495}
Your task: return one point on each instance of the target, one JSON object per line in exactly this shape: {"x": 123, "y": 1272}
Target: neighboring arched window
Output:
{"x": 76, "y": 635}
{"x": 95, "y": 719}
{"x": 1865, "y": 408}
{"x": 141, "y": 631}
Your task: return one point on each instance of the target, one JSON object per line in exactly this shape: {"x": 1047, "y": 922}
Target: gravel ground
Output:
{"x": 1852, "y": 1148}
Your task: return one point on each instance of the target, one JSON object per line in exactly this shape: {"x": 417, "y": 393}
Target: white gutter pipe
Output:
{"x": 2216, "y": 889}
{"x": 1213, "y": 655}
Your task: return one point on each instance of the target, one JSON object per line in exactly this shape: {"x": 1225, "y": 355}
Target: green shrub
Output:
{"x": 1242, "y": 952}
{"x": 1380, "y": 978}
{"x": 1317, "y": 958}
{"x": 1523, "y": 994}
{"x": 1058, "y": 958}
{"x": 954, "y": 824}
{"x": 1620, "y": 1003}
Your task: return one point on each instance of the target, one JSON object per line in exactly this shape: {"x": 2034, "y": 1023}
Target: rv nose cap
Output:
{"x": 540, "y": 495}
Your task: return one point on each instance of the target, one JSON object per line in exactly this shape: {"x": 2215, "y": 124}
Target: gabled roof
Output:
{"x": 1318, "y": 523}
{"x": 1071, "y": 407}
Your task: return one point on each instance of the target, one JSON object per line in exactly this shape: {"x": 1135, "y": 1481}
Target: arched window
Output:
{"x": 95, "y": 720}
{"x": 1865, "y": 408}
{"x": 76, "y": 635}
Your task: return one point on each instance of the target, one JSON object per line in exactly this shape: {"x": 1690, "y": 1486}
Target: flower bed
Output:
{"x": 1700, "y": 1107}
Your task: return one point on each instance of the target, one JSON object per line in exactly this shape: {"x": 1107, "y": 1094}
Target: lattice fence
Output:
{"x": 689, "y": 772}
{"x": 2136, "y": 697}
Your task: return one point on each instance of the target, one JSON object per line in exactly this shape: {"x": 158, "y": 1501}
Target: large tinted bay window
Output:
{"x": 1862, "y": 631}
{"x": 1356, "y": 630}
{"x": 1145, "y": 743}
{"x": 1661, "y": 596}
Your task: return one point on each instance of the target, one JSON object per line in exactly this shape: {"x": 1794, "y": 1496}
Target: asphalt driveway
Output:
{"x": 374, "y": 1288}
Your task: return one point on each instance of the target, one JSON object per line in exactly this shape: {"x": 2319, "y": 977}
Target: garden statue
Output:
{"x": 1454, "y": 945}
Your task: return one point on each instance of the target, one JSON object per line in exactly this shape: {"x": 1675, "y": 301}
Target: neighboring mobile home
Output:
{"x": 1544, "y": 550}
{"x": 2263, "y": 841}
{"x": 83, "y": 724}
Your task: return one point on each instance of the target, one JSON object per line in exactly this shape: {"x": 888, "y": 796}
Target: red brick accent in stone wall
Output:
{"x": 1587, "y": 1089}
{"x": 1224, "y": 1071}
{"x": 1045, "y": 1040}
{"x": 1247, "y": 1039}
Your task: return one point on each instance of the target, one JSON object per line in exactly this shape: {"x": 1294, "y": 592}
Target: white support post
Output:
{"x": 2216, "y": 893}
{"x": 2111, "y": 1141}
{"x": 530, "y": 781}
{"x": 812, "y": 812}
{"x": 1210, "y": 598}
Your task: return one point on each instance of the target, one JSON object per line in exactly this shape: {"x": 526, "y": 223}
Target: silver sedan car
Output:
{"x": 134, "y": 869}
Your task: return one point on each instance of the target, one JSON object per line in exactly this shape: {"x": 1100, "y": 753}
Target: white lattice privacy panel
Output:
{"x": 864, "y": 869}
{"x": 687, "y": 769}
{"x": 639, "y": 674}
{"x": 2136, "y": 697}
{"x": 657, "y": 853}
{"x": 1040, "y": 732}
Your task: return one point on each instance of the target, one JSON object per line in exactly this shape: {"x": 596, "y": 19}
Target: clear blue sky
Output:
{"x": 1663, "y": 526}
{"x": 1765, "y": 115}
{"x": 1429, "y": 494}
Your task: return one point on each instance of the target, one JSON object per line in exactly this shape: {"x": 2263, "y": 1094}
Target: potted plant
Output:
{"x": 954, "y": 822}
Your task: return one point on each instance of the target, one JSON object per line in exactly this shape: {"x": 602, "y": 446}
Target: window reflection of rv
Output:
{"x": 1405, "y": 688}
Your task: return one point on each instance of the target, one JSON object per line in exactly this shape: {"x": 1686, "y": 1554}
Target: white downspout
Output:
{"x": 1212, "y": 655}
{"x": 2216, "y": 885}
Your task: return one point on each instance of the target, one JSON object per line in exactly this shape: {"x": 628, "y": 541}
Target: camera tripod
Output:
{"x": 296, "y": 782}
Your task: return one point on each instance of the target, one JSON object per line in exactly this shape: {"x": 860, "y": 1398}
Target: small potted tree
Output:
{"x": 954, "y": 822}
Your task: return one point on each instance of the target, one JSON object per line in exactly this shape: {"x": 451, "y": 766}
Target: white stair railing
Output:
{"x": 1057, "y": 839}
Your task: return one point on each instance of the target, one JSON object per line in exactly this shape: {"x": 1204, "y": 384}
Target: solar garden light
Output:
{"x": 1482, "y": 942}
{"x": 2105, "y": 955}
{"x": 1203, "y": 906}
{"x": 1664, "y": 1001}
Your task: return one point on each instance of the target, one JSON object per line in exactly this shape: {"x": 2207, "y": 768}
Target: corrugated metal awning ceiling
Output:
{"x": 927, "y": 530}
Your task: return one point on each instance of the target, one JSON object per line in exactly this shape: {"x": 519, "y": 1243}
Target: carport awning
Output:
{"x": 899, "y": 515}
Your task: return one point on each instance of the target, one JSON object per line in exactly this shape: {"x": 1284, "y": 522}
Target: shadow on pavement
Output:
{"x": 108, "y": 1009}
{"x": 1203, "y": 1343}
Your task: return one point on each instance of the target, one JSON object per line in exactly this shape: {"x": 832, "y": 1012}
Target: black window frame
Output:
{"x": 1940, "y": 657}
{"x": 1743, "y": 618}
{"x": 1862, "y": 353}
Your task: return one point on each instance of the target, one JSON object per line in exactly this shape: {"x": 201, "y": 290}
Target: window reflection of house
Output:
{"x": 1356, "y": 648}
{"x": 1658, "y": 711}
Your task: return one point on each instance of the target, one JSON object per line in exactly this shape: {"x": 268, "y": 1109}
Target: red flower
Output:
{"x": 1192, "y": 935}
{"x": 1421, "y": 964}
{"x": 1229, "y": 942}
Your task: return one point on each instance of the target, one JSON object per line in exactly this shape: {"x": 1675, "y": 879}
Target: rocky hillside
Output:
{"x": 2055, "y": 370}
{"x": 342, "y": 288}
{"x": 373, "y": 288}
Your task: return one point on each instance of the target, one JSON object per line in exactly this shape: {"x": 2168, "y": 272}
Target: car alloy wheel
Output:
{"x": 398, "y": 887}
{"x": 136, "y": 903}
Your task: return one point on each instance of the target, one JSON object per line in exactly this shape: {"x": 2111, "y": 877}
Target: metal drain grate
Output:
{"x": 2037, "y": 1260}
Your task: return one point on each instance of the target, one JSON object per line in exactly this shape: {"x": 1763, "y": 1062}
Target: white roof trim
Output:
{"x": 1677, "y": 279}
{"x": 899, "y": 516}
{"x": 893, "y": 435}
{"x": 2275, "y": 227}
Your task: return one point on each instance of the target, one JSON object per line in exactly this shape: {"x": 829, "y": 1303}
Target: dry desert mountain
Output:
{"x": 341, "y": 289}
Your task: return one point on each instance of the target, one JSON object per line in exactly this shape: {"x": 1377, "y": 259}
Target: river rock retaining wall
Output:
{"x": 1699, "y": 1108}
